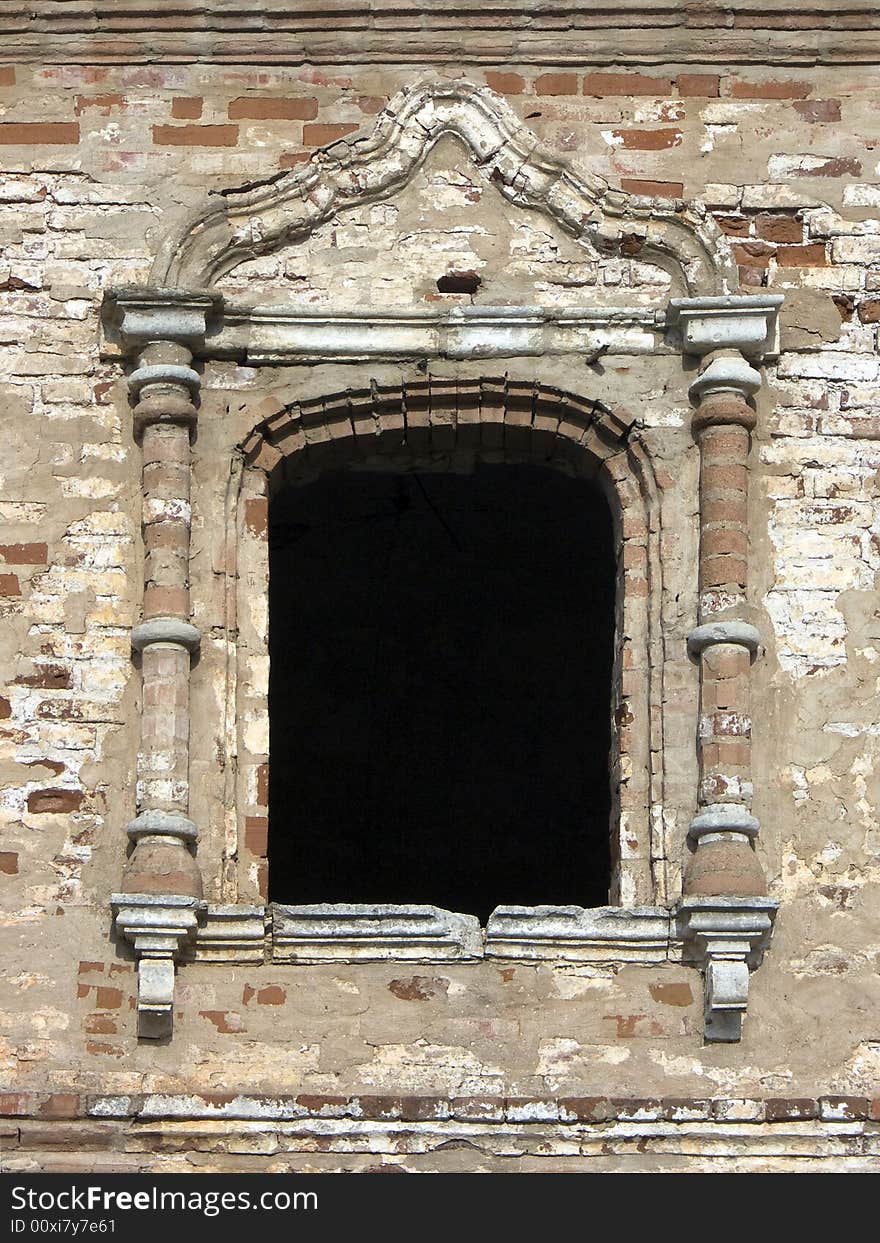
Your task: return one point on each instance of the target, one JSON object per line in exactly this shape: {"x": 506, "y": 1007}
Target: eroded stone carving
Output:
{"x": 234, "y": 226}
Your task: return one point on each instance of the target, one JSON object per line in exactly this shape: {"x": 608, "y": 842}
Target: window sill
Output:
{"x": 381, "y": 932}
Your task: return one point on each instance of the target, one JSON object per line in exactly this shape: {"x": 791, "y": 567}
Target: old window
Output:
{"x": 440, "y": 688}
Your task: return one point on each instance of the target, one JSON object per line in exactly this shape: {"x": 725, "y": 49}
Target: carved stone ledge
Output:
{"x": 727, "y": 937}
{"x": 158, "y": 926}
{"x": 230, "y": 934}
{"x": 366, "y": 932}
{"x": 603, "y": 934}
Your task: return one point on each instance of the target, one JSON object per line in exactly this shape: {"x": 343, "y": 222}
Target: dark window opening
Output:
{"x": 440, "y": 689}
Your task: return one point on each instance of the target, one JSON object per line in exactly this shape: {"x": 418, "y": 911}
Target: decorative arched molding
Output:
{"x": 431, "y": 421}
{"x": 237, "y": 225}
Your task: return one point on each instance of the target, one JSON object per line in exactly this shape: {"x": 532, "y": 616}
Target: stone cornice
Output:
{"x": 365, "y": 32}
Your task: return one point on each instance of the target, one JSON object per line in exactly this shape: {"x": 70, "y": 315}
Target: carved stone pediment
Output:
{"x": 240, "y": 224}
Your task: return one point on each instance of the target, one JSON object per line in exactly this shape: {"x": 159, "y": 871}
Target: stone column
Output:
{"x": 724, "y": 862}
{"x": 161, "y": 884}
{"x": 725, "y": 912}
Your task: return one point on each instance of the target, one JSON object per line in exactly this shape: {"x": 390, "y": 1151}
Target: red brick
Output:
{"x": 781, "y": 1110}
{"x": 625, "y": 84}
{"x": 256, "y": 515}
{"x": 370, "y": 105}
{"x": 256, "y": 835}
{"x": 557, "y": 84}
{"x": 9, "y": 585}
{"x": 107, "y": 998}
{"x": 779, "y": 228}
{"x": 100, "y": 1025}
{"x": 753, "y": 254}
{"x": 652, "y": 189}
{"x": 586, "y": 1108}
{"x": 812, "y": 256}
{"x": 505, "y": 83}
{"x": 24, "y": 554}
{"x": 733, "y": 226}
{"x": 97, "y": 1048}
{"x": 39, "y": 133}
{"x": 700, "y": 85}
{"x": 14, "y": 1104}
{"x": 106, "y": 103}
{"x": 48, "y": 677}
{"x": 770, "y": 89}
{"x": 221, "y": 1020}
{"x": 263, "y": 785}
{"x": 648, "y": 139}
{"x": 272, "y": 108}
{"x": 291, "y": 159}
{"x": 9, "y": 862}
{"x": 818, "y": 111}
{"x": 187, "y": 108}
{"x": 60, "y": 1105}
{"x": 271, "y": 995}
{"x": 321, "y": 135}
{"x": 195, "y": 135}
{"x": 7, "y": 76}
{"x": 54, "y": 801}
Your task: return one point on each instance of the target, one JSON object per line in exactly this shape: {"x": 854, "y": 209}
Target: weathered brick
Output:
{"x": 320, "y": 134}
{"x": 557, "y": 84}
{"x": 625, "y": 84}
{"x": 54, "y": 802}
{"x": 187, "y": 108}
{"x": 652, "y": 189}
{"x": 194, "y": 135}
{"x": 505, "y": 83}
{"x": 648, "y": 139}
{"x": 272, "y": 108}
{"x": 770, "y": 88}
{"x": 39, "y": 133}
{"x": 702, "y": 85}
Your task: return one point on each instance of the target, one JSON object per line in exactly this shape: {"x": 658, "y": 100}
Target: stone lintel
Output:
{"x": 264, "y": 335}
{"x": 748, "y": 323}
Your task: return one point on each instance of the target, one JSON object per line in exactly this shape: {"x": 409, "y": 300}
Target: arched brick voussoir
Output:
{"x": 431, "y": 420}
{"x": 239, "y": 224}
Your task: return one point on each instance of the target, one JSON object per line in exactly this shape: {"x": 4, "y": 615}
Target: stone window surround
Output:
{"x": 164, "y": 326}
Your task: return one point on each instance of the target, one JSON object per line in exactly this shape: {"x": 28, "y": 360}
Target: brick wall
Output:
{"x": 100, "y": 160}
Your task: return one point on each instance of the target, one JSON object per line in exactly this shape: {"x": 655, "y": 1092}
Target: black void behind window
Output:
{"x": 439, "y": 696}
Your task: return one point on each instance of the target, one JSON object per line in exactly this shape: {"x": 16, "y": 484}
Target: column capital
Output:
{"x": 748, "y": 323}
{"x": 146, "y": 316}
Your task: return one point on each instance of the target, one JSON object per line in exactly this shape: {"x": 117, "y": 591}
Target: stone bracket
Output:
{"x": 748, "y": 323}
{"x": 727, "y": 937}
{"x": 158, "y": 926}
